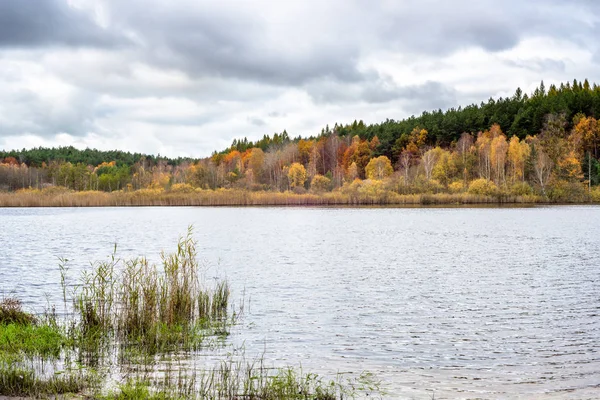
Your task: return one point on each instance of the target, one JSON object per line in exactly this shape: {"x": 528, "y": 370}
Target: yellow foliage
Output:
{"x": 456, "y": 187}
{"x": 570, "y": 167}
{"x": 379, "y": 168}
{"x": 521, "y": 189}
{"x": 182, "y": 188}
{"x": 320, "y": 183}
{"x": 483, "y": 186}
{"x": 297, "y": 175}
{"x": 595, "y": 194}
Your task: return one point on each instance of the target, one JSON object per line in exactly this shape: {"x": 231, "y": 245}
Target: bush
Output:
{"x": 182, "y": 188}
{"x": 483, "y": 187}
{"x": 521, "y": 189}
{"x": 456, "y": 187}
{"x": 562, "y": 191}
{"x": 595, "y": 194}
{"x": 320, "y": 184}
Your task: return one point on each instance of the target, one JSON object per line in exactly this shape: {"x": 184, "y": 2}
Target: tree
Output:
{"x": 586, "y": 137}
{"x": 352, "y": 172}
{"x": 428, "y": 161}
{"x": 518, "y": 153}
{"x": 320, "y": 183}
{"x": 543, "y": 169}
{"x": 379, "y": 168}
{"x": 256, "y": 163}
{"x": 297, "y": 175}
{"x": 498, "y": 149}
{"x": 484, "y": 146}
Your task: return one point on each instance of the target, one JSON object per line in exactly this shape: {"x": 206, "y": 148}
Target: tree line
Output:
{"x": 545, "y": 143}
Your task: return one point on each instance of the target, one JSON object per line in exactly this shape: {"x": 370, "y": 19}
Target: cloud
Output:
{"x": 185, "y": 77}
{"x": 50, "y": 22}
{"x": 256, "y": 121}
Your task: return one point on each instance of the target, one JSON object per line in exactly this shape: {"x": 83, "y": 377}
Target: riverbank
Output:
{"x": 131, "y": 330}
{"x": 60, "y": 197}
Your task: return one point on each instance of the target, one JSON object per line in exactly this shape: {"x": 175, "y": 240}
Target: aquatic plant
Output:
{"x": 11, "y": 312}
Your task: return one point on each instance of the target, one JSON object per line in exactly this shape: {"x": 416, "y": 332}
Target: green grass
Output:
{"x": 32, "y": 340}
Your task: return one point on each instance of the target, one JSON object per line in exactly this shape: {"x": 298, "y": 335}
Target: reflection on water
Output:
{"x": 463, "y": 303}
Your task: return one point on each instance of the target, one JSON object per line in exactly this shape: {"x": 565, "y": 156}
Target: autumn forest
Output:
{"x": 541, "y": 147}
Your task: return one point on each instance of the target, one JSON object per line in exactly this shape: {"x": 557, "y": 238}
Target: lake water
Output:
{"x": 445, "y": 302}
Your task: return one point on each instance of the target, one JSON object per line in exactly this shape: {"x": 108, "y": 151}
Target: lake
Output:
{"x": 451, "y": 302}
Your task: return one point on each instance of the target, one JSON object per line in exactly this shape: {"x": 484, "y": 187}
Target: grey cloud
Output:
{"x": 205, "y": 40}
{"x": 49, "y": 22}
{"x": 415, "y": 98}
{"x": 428, "y": 96}
{"x": 256, "y": 121}
{"x": 538, "y": 65}
{"x": 245, "y": 54}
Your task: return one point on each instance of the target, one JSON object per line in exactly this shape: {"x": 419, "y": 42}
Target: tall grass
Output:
{"x": 157, "y": 307}
{"x": 241, "y": 379}
{"x": 235, "y": 197}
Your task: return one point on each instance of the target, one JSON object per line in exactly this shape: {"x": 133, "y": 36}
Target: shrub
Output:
{"x": 521, "y": 189}
{"x": 565, "y": 191}
{"x": 182, "y": 188}
{"x": 320, "y": 183}
{"x": 595, "y": 194}
{"x": 11, "y": 312}
{"x": 456, "y": 187}
{"x": 483, "y": 187}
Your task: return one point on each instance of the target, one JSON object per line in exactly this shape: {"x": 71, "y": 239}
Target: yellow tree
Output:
{"x": 305, "y": 148}
{"x": 445, "y": 167}
{"x": 429, "y": 159}
{"x": 352, "y": 172}
{"x": 498, "y": 149}
{"x": 543, "y": 169}
{"x": 256, "y": 162}
{"x": 570, "y": 167}
{"x": 484, "y": 145}
{"x": 297, "y": 175}
{"x": 585, "y": 138}
{"x": 518, "y": 154}
{"x": 379, "y": 168}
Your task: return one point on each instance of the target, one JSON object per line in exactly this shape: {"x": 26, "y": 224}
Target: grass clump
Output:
{"x": 160, "y": 308}
{"x": 26, "y": 382}
{"x": 32, "y": 340}
{"x": 11, "y": 311}
{"x": 239, "y": 380}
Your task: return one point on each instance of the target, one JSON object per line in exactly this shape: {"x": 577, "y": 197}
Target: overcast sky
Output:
{"x": 187, "y": 77}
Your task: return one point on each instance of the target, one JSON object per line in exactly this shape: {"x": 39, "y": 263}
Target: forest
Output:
{"x": 541, "y": 147}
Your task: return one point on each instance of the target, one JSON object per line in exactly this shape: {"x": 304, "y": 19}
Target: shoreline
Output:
{"x": 240, "y": 198}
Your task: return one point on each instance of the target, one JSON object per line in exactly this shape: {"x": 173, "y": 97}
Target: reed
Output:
{"x": 27, "y": 383}
{"x": 158, "y": 308}
{"x": 237, "y": 197}
{"x": 240, "y": 379}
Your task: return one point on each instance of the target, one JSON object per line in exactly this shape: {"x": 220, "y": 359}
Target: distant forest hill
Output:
{"x": 39, "y": 156}
{"x": 545, "y": 144}
{"x": 519, "y": 115}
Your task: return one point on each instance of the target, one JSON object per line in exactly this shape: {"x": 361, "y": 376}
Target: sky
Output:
{"x": 186, "y": 77}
